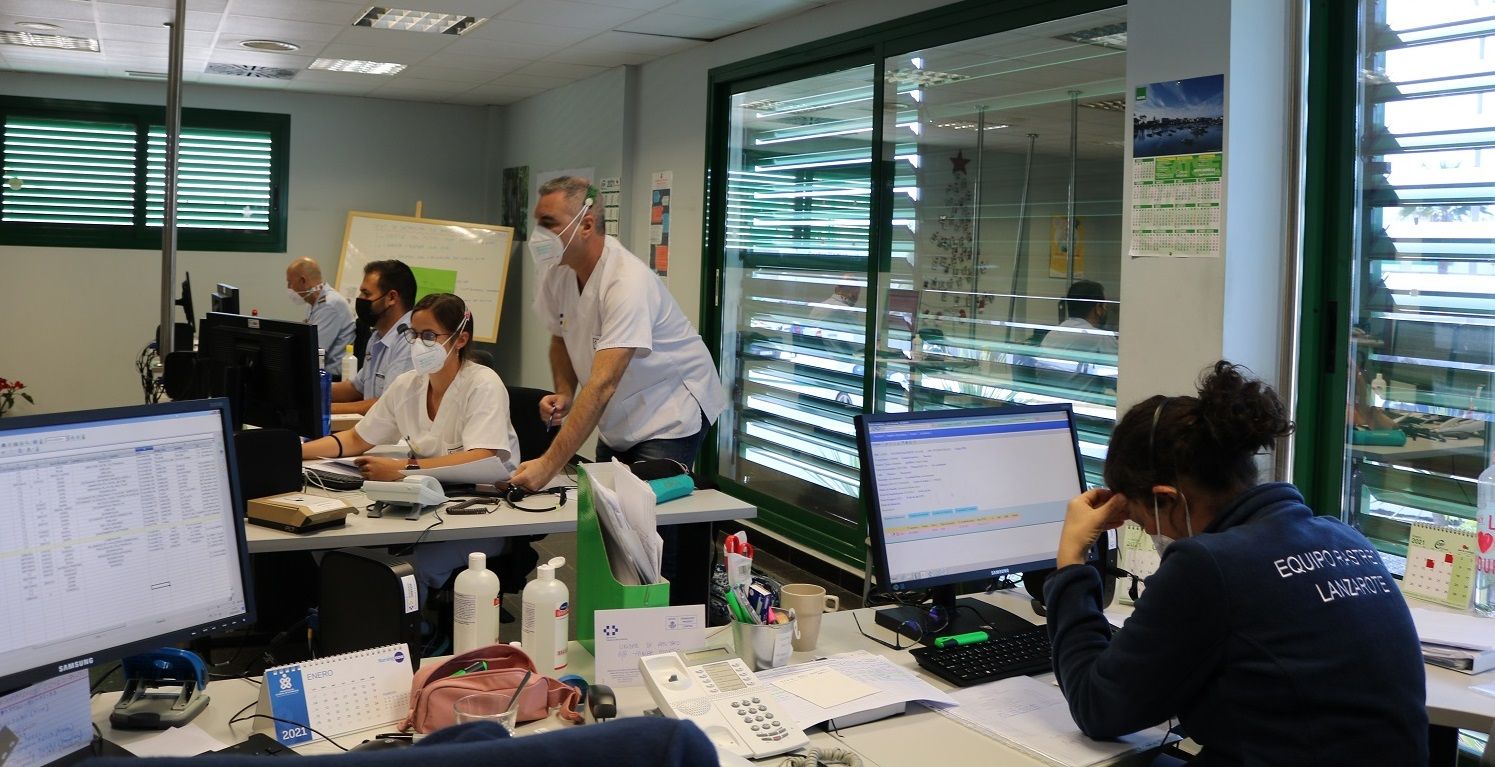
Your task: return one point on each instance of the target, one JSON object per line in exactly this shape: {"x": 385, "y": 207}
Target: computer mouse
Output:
{"x": 381, "y": 744}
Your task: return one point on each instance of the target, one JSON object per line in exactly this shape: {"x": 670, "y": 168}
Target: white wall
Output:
{"x": 75, "y": 318}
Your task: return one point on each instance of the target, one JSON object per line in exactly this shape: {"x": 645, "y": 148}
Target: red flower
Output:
{"x": 19, "y": 386}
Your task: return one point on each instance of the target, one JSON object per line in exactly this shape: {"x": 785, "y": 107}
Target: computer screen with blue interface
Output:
{"x": 120, "y": 531}
{"x": 966, "y": 495}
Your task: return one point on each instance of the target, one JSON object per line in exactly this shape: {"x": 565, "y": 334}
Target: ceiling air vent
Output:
{"x": 244, "y": 70}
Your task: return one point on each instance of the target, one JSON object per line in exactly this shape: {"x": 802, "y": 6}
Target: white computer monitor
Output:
{"x": 958, "y": 496}
{"x": 120, "y": 531}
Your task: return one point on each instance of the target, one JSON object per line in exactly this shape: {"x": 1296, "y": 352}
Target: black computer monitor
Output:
{"x": 225, "y": 299}
{"x": 267, "y": 369}
{"x": 961, "y": 496}
{"x": 126, "y": 535}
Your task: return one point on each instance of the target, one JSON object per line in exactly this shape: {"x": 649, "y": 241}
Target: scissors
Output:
{"x": 736, "y": 545}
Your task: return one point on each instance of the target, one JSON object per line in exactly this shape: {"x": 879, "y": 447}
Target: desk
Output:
{"x": 361, "y": 530}
{"x": 920, "y": 736}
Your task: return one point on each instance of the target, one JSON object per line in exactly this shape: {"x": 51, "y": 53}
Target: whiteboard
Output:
{"x": 471, "y": 260}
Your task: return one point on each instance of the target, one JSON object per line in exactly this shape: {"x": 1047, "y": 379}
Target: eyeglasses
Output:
{"x": 428, "y": 337}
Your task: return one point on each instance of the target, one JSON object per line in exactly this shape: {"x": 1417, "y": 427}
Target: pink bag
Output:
{"x": 435, "y": 690}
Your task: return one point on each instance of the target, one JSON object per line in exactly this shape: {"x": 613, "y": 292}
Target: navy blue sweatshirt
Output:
{"x": 1275, "y": 636}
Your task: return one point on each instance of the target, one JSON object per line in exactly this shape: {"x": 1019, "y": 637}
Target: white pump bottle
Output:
{"x": 547, "y": 612}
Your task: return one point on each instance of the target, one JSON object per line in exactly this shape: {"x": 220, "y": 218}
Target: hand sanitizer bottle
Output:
{"x": 547, "y": 613}
{"x": 350, "y": 364}
{"x": 475, "y": 606}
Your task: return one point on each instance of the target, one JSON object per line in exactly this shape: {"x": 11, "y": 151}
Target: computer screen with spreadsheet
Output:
{"x": 967, "y": 495}
{"x": 120, "y": 531}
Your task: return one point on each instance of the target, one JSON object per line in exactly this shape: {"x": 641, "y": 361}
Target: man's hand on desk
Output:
{"x": 380, "y": 469}
{"x": 534, "y": 475}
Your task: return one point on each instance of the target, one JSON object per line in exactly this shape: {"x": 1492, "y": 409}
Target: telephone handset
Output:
{"x": 723, "y": 698}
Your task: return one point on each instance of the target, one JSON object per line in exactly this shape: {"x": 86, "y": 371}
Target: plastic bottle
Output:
{"x": 547, "y": 613}
{"x": 475, "y": 606}
{"x": 1378, "y": 391}
{"x": 350, "y": 363}
{"x": 1484, "y": 531}
{"x": 325, "y": 380}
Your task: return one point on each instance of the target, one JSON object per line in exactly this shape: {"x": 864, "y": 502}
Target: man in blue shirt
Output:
{"x": 384, "y": 300}
{"x": 325, "y": 308}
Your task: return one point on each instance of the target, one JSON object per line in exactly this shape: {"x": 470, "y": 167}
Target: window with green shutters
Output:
{"x": 85, "y": 174}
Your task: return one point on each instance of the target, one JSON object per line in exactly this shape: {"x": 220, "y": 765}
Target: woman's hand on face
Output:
{"x": 1087, "y": 516}
{"x": 380, "y": 469}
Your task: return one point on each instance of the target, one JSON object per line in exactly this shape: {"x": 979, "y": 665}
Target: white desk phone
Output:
{"x": 411, "y": 495}
{"x": 716, "y": 690}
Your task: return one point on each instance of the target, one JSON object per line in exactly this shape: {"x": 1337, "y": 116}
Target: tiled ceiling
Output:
{"x": 524, "y": 48}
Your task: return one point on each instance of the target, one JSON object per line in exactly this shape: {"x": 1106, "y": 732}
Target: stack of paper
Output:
{"x": 1032, "y": 716}
{"x": 1456, "y": 640}
{"x": 843, "y": 686}
{"x": 625, "y": 511}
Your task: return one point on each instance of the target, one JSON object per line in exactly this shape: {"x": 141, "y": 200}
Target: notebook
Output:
{"x": 336, "y": 695}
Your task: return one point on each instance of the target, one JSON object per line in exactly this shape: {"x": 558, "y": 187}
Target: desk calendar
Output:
{"x": 1137, "y": 556}
{"x": 1440, "y": 565}
{"x": 336, "y": 695}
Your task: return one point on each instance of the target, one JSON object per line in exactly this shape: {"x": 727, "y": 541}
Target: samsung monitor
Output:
{"x": 266, "y": 368}
{"x": 961, "y": 496}
{"x": 124, "y": 533}
{"x": 225, "y": 299}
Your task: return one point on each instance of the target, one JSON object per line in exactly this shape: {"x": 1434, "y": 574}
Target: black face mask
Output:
{"x": 364, "y": 309}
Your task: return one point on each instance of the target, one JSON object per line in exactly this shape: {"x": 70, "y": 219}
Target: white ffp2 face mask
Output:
{"x": 1160, "y": 541}
{"x": 546, "y": 247}
{"x": 429, "y": 359}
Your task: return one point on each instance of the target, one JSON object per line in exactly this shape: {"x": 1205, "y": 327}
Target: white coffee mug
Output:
{"x": 808, "y": 601}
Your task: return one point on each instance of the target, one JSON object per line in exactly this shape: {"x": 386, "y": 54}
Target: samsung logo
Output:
{"x": 79, "y": 663}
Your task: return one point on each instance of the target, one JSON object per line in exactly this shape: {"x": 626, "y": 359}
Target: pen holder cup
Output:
{"x": 764, "y": 646}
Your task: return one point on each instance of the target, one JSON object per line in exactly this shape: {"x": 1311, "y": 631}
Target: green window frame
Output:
{"x": 838, "y": 356}
{"x": 96, "y": 173}
{"x": 1388, "y": 293}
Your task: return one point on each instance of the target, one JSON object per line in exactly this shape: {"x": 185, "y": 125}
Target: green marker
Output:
{"x": 960, "y": 639}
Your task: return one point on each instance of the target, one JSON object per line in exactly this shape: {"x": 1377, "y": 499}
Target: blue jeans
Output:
{"x": 682, "y": 449}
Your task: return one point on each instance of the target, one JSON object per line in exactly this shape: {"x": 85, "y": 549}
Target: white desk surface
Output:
{"x": 360, "y": 530}
{"x": 919, "y": 736}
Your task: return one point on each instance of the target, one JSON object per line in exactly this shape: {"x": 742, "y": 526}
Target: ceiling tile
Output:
{"x": 497, "y": 94}
{"x": 510, "y": 30}
{"x": 482, "y": 9}
{"x": 499, "y": 56}
{"x": 423, "y": 43}
{"x": 206, "y": 6}
{"x": 559, "y": 69}
{"x": 661, "y": 23}
{"x": 735, "y": 10}
{"x": 317, "y": 11}
{"x": 49, "y": 9}
{"x": 472, "y": 77}
{"x": 629, "y": 42}
{"x": 277, "y": 29}
{"x": 367, "y": 53}
{"x": 565, "y": 13}
{"x": 434, "y": 89}
{"x": 544, "y": 82}
{"x": 191, "y": 38}
{"x": 641, "y": 5}
{"x": 143, "y": 16}
{"x": 603, "y": 59}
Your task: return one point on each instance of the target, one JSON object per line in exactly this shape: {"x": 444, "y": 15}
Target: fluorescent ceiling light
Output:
{"x": 1108, "y": 36}
{"x": 275, "y": 46}
{"x": 968, "y": 125}
{"x": 39, "y": 26}
{"x": 417, "y": 21}
{"x": 362, "y": 67}
{"x": 49, "y": 41}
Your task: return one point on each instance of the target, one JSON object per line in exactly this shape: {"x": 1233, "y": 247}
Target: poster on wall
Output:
{"x": 1178, "y": 164}
{"x": 659, "y": 221}
{"x": 516, "y": 201}
{"x": 1059, "y": 248}
{"x": 611, "y": 189}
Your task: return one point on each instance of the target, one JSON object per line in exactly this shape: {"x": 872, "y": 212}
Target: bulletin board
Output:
{"x": 470, "y": 260}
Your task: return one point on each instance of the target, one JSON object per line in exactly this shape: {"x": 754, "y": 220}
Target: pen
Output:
{"x": 411, "y": 446}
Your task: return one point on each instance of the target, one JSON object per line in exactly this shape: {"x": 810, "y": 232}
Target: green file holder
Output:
{"x": 596, "y": 588}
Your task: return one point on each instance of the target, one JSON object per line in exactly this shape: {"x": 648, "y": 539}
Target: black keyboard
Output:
{"x": 332, "y": 480}
{"x": 1004, "y": 656}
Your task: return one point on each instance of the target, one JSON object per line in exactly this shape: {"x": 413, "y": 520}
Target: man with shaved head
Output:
{"x": 325, "y": 308}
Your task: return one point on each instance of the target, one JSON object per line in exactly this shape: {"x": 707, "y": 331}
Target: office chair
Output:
{"x": 633, "y": 742}
{"x": 515, "y": 564}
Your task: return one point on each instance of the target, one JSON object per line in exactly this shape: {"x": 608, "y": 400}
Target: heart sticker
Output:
{"x": 1486, "y": 541}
